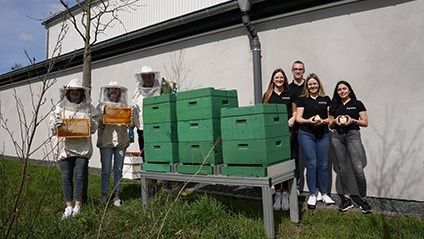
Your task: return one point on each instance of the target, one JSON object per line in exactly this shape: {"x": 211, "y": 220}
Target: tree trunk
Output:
{"x": 86, "y": 67}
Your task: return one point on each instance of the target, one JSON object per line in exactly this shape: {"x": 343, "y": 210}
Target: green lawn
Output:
{"x": 198, "y": 215}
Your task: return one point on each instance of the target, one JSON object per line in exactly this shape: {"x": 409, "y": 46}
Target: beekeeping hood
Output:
{"x": 146, "y": 91}
{"x": 75, "y": 84}
{"x": 104, "y": 95}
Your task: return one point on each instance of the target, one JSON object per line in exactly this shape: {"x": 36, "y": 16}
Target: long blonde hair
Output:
{"x": 305, "y": 92}
{"x": 271, "y": 85}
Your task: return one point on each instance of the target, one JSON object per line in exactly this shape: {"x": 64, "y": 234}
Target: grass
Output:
{"x": 198, "y": 215}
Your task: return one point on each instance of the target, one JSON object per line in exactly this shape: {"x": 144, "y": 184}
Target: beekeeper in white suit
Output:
{"x": 112, "y": 140}
{"x": 74, "y": 153}
{"x": 147, "y": 85}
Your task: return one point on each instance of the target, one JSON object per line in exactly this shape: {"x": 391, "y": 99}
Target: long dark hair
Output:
{"x": 271, "y": 85}
{"x": 336, "y": 97}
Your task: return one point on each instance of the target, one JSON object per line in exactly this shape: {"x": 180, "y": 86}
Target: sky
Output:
{"x": 21, "y": 30}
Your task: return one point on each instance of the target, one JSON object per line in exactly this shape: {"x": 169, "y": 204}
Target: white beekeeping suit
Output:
{"x": 70, "y": 147}
{"x": 142, "y": 91}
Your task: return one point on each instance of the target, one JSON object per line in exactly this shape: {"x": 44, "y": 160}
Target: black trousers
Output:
{"x": 141, "y": 141}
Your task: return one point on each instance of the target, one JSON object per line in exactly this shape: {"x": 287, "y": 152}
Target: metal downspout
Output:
{"x": 255, "y": 46}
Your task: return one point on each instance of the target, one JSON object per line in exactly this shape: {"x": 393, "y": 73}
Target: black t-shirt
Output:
{"x": 314, "y": 107}
{"x": 295, "y": 91}
{"x": 283, "y": 98}
{"x": 351, "y": 108}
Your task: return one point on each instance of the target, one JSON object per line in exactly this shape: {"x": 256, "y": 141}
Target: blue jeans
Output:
{"x": 348, "y": 149}
{"x": 315, "y": 151}
{"x": 70, "y": 167}
{"x": 106, "y": 155}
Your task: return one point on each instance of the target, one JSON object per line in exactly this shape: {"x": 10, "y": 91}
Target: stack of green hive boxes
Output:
{"x": 254, "y": 138}
{"x": 160, "y": 133}
{"x": 199, "y": 131}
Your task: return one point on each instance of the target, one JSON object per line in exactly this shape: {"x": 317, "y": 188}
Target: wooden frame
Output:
{"x": 117, "y": 115}
{"x": 74, "y": 128}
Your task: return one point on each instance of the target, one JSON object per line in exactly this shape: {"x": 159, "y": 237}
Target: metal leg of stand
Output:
{"x": 268, "y": 212}
{"x": 144, "y": 193}
{"x": 294, "y": 204}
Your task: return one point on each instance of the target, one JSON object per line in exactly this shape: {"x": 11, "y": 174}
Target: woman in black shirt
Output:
{"x": 347, "y": 114}
{"x": 312, "y": 115}
{"x": 277, "y": 93}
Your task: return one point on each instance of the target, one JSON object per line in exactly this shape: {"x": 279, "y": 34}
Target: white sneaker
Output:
{"x": 76, "y": 210}
{"x": 327, "y": 199}
{"x": 277, "y": 201}
{"x": 319, "y": 197}
{"x": 117, "y": 202}
{"x": 312, "y": 201}
{"x": 67, "y": 213}
{"x": 285, "y": 201}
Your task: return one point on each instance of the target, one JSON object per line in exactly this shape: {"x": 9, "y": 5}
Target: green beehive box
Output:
{"x": 254, "y": 122}
{"x": 256, "y": 151}
{"x": 157, "y": 167}
{"x": 199, "y": 130}
{"x": 204, "y": 103}
{"x": 161, "y": 152}
{"x": 157, "y": 109}
{"x": 200, "y": 152}
{"x": 244, "y": 171}
{"x": 160, "y": 132}
{"x": 195, "y": 169}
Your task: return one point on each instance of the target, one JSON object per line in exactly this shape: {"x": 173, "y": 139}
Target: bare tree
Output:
{"x": 96, "y": 17}
{"x": 29, "y": 120}
{"x": 178, "y": 71}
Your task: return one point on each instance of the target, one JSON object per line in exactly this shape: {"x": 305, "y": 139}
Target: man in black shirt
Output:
{"x": 295, "y": 90}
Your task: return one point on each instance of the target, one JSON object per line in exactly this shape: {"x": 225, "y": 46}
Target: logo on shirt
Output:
{"x": 285, "y": 97}
{"x": 351, "y": 108}
{"x": 322, "y": 102}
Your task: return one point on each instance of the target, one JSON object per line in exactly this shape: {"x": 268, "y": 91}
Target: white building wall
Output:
{"x": 378, "y": 51}
{"x": 140, "y": 15}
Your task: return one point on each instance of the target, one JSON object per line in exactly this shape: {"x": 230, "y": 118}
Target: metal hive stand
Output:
{"x": 276, "y": 174}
